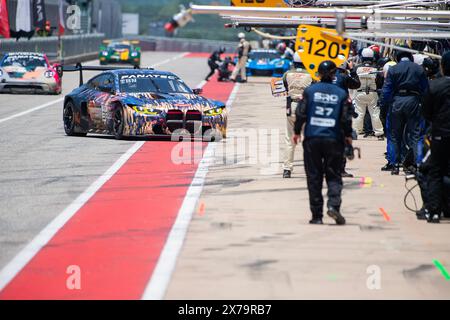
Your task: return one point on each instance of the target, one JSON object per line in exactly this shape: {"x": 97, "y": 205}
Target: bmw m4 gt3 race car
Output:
{"x": 135, "y": 102}
{"x": 120, "y": 52}
{"x": 26, "y": 72}
{"x": 267, "y": 63}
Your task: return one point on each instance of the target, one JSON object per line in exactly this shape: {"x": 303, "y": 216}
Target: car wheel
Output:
{"x": 118, "y": 123}
{"x": 69, "y": 120}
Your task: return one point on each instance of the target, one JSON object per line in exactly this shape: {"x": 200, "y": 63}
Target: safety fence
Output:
{"x": 184, "y": 45}
{"x": 73, "y": 47}
{"x": 84, "y": 47}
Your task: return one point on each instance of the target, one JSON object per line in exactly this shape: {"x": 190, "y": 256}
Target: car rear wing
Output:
{"x": 80, "y": 68}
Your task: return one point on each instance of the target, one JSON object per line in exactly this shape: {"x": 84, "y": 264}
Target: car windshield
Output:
{"x": 120, "y": 47}
{"x": 28, "y": 62}
{"x": 264, "y": 55}
{"x": 152, "y": 83}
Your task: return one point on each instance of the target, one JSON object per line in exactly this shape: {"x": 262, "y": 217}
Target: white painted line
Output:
{"x": 45, "y": 105}
{"x": 48, "y": 104}
{"x": 159, "y": 282}
{"x": 26, "y": 254}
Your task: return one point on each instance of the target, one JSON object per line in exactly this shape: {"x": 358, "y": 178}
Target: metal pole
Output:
{"x": 320, "y": 12}
{"x": 381, "y": 44}
{"x": 349, "y": 22}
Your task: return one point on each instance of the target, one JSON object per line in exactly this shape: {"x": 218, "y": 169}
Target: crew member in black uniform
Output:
{"x": 437, "y": 111}
{"x": 404, "y": 88}
{"x": 347, "y": 79}
{"x": 325, "y": 110}
{"x": 214, "y": 61}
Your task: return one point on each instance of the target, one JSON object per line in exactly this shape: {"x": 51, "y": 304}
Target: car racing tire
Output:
{"x": 118, "y": 123}
{"x": 69, "y": 121}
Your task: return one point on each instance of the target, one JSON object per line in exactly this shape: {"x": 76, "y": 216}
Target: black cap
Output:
{"x": 404, "y": 54}
{"x": 327, "y": 69}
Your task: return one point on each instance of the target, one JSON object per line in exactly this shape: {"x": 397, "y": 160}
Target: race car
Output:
{"x": 141, "y": 102}
{"x": 120, "y": 52}
{"x": 270, "y": 63}
{"x": 28, "y": 72}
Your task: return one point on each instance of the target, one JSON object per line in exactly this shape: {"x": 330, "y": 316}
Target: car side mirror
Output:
{"x": 198, "y": 91}
{"x": 59, "y": 70}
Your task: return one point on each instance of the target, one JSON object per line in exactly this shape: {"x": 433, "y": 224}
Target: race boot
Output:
{"x": 395, "y": 170}
{"x": 345, "y": 174}
{"x": 316, "y": 220}
{"x": 387, "y": 167}
{"x": 434, "y": 218}
{"x": 336, "y": 216}
{"x": 422, "y": 214}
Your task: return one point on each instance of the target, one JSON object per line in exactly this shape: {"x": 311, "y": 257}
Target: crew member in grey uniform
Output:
{"x": 295, "y": 81}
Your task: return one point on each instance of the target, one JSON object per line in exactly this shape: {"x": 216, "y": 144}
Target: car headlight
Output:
{"x": 104, "y": 53}
{"x": 146, "y": 111}
{"x": 213, "y": 112}
{"x": 49, "y": 74}
{"x": 134, "y": 54}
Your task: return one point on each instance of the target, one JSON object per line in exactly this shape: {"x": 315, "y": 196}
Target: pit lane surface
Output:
{"x": 43, "y": 171}
{"x": 249, "y": 237}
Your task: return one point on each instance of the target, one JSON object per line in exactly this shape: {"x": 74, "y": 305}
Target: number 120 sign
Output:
{"x": 316, "y": 44}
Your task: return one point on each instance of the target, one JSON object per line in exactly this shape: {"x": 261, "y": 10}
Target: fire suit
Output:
{"x": 366, "y": 98}
{"x": 295, "y": 81}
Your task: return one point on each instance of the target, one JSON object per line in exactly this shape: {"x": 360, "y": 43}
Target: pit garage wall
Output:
{"x": 71, "y": 48}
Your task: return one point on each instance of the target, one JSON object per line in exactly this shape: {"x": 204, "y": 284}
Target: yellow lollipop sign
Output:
{"x": 316, "y": 44}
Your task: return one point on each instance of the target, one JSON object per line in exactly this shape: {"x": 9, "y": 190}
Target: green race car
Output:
{"x": 120, "y": 52}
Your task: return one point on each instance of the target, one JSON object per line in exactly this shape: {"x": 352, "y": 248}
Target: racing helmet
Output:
{"x": 327, "y": 70}
{"x": 375, "y": 48}
{"x": 298, "y": 63}
{"x": 367, "y": 54}
{"x": 419, "y": 58}
{"x": 431, "y": 66}
{"x": 281, "y": 47}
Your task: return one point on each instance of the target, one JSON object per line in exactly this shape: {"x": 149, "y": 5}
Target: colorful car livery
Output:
{"x": 120, "y": 52}
{"x": 28, "y": 72}
{"x": 134, "y": 102}
{"x": 270, "y": 63}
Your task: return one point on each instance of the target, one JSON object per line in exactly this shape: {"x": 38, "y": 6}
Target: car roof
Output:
{"x": 35, "y": 54}
{"x": 142, "y": 71}
{"x": 265, "y": 50}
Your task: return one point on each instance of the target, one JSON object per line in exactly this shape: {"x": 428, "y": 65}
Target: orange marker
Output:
{"x": 385, "y": 215}
{"x": 201, "y": 209}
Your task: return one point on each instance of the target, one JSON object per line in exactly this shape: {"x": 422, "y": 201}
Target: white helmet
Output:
{"x": 297, "y": 58}
{"x": 241, "y": 35}
{"x": 419, "y": 58}
{"x": 368, "y": 53}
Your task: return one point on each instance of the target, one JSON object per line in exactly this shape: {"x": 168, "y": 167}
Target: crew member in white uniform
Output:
{"x": 366, "y": 97}
{"x": 295, "y": 81}
{"x": 243, "y": 51}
